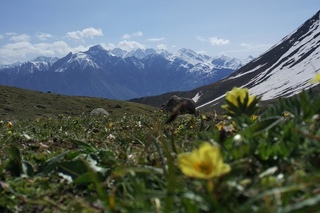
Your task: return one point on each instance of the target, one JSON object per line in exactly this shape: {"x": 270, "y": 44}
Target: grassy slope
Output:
{"x": 18, "y": 104}
{"x": 129, "y": 163}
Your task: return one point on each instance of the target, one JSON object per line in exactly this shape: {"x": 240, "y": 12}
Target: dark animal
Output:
{"x": 180, "y": 104}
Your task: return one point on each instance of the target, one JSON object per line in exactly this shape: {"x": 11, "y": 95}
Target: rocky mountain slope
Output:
{"x": 282, "y": 71}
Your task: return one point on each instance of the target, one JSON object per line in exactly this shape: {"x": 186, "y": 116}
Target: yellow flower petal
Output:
{"x": 237, "y": 97}
{"x": 316, "y": 79}
{"x": 188, "y": 166}
{"x": 9, "y": 124}
{"x": 205, "y": 162}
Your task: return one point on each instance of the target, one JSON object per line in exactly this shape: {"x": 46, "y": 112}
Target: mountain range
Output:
{"x": 284, "y": 70}
{"x": 119, "y": 74}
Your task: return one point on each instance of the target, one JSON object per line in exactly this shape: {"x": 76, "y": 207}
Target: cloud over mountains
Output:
{"x": 85, "y": 33}
{"x": 22, "y": 47}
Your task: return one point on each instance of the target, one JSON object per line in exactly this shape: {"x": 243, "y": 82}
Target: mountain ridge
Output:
{"x": 98, "y": 72}
{"x": 282, "y": 71}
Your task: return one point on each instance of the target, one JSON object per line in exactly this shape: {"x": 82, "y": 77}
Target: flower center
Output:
{"x": 203, "y": 167}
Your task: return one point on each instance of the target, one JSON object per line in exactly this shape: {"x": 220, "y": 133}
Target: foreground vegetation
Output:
{"x": 268, "y": 162}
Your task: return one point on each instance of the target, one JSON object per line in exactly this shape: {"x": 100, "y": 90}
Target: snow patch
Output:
{"x": 211, "y": 101}
{"x": 196, "y": 97}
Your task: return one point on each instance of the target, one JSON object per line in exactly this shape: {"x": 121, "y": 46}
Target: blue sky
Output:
{"x": 30, "y": 28}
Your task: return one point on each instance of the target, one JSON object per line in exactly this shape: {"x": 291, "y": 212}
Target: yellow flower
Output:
{"x": 253, "y": 117}
{"x": 178, "y": 130}
{"x": 219, "y": 126}
{"x": 234, "y": 125}
{"x": 239, "y": 93}
{"x": 9, "y": 124}
{"x": 316, "y": 78}
{"x": 205, "y": 162}
{"x": 239, "y": 101}
{"x": 285, "y": 114}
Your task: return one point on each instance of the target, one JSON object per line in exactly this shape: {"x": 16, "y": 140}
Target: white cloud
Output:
{"x": 126, "y": 36}
{"x": 85, "y": 33}
{"x": 1, "y": 36}
{"x": 11, "y": 34}
{"x": 21, "y": 49}
{"x": 19, "y": 38}
{"x": 24, "y": 50}
{"x": 218, "y": 41}
{"x": 129, "y": 36}
{"x": 248, "y": 48}
{"x": 108, "y": 46}
{"x": 130, "y": 45}
{"x": 43, "y": 36}
{"x": 202, "y": 52}
{"x": 161, "y": 46}
{"x": 137, "y": 34}
{"x": 255, "y": 47}
{"x": 200, "y": 38}
{"x": 156, "y": 39}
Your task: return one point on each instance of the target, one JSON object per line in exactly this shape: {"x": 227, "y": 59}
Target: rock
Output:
{"x": 99, "y": 112}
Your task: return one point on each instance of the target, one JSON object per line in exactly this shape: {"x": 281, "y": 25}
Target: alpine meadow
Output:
{"x": 246, "y": 140}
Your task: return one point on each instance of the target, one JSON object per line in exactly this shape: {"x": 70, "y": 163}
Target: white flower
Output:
{"x": 111, "y": 137}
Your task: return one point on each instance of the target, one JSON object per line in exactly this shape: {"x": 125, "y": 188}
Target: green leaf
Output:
{"x": 27, "y": 169}
{"x": 72, "y": 155}
{"x": 15, "y": 161}
{"x": 84, "y": 145}
{"x": 264, "y": 125}
{"x": 17, "y": 166}
{"x": 307, "y": 205}
{"x": 74, "y": 169}
{"x": 85, "y": 178}
{"x": 51, "y": 164}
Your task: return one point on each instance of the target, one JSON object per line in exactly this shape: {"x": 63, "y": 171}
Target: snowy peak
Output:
{"x": 187, "y": 53}
{"x": 284, "y": 70}
{"x": 116, "y": 74}
{"x": 192, "y": 56}
{"x": 293, "y": 64}
{"x": 140, "y": 53}
{"x": 118, "y": 52}
{"x": 96, "y": 50}
{"x": 83, "y": 60}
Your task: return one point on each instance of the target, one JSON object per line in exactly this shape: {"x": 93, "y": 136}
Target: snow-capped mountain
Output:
{"x": 282, "y": 71}
{"x": 39, "y": 64}
{"x": 119, "y": 74}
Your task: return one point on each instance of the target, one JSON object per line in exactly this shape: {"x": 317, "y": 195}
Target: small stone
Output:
{"x": 99, "y": 112}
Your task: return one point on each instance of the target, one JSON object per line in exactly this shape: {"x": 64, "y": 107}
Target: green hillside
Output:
{"x": 56, "y": 158}
{"x": 18, "y": 104}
